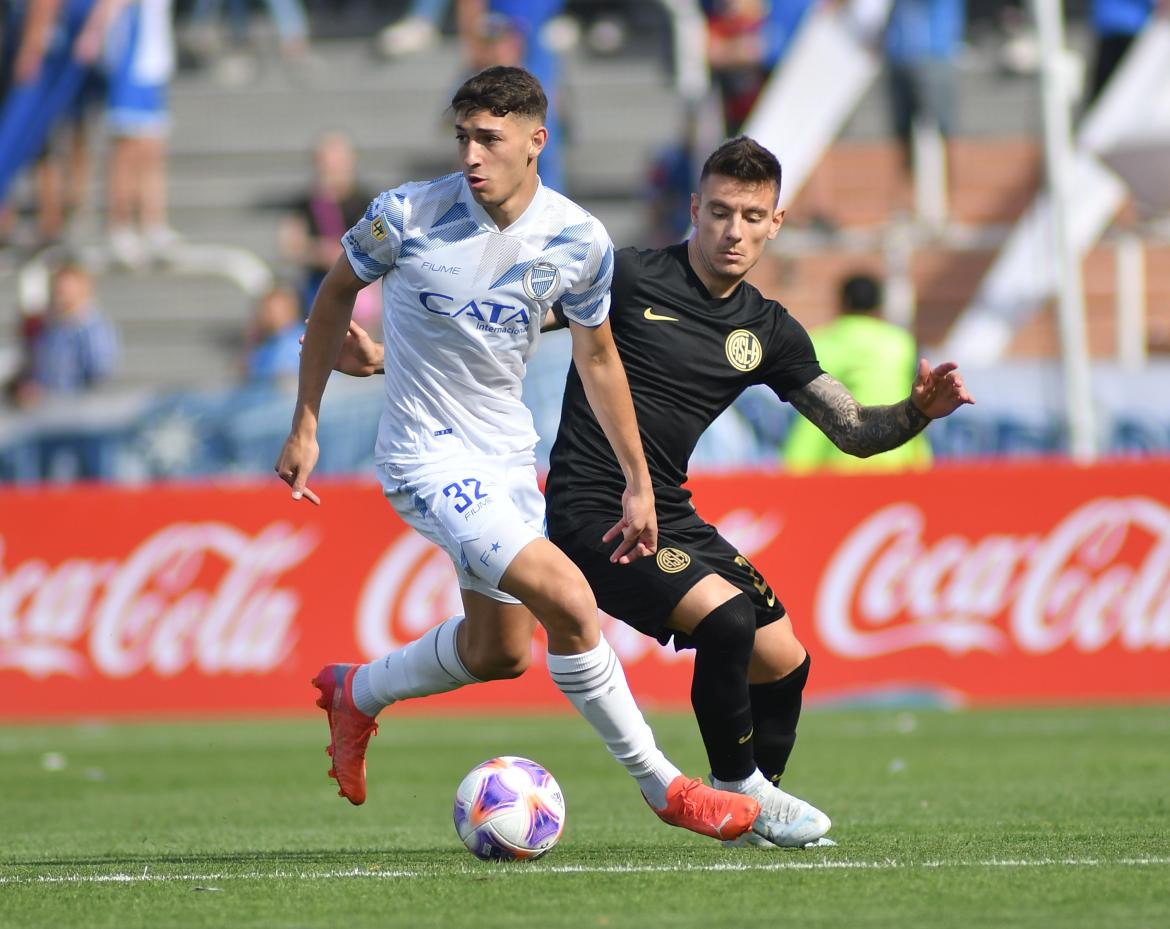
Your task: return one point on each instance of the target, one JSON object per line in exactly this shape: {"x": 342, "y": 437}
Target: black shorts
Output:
{"x": 645, "y": 592}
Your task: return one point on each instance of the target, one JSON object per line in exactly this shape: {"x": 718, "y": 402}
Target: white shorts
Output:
{"x": 480, "y": 511}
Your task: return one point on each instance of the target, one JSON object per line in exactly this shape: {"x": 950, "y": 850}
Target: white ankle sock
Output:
{"x": 749, "y": 785}
{"x": 596, "y": 685}
{"x": 428, "y": 665}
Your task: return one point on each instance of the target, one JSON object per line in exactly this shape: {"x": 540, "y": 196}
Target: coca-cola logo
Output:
{"x": 193, "y": 595}
{"x": 1101, "y": 576}
{"x": 412, "y": 587}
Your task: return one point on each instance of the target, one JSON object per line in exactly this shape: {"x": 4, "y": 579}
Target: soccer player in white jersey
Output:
{"x": 470, "y": 264}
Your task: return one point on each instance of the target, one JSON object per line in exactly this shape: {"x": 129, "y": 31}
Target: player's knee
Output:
{"x": 777, "y": 652}
{"x": 501, "y": 661}
{"x": 574, "y": 609}
{"x": 730, "y": 628}
{"x": 508, "y": 667}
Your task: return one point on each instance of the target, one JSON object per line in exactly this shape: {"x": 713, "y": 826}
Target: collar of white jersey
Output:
{"x": 481, "y": 215}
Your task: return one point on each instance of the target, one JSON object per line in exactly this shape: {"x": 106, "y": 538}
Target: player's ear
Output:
{"x": 694, "y": 209}
{"x": 777, "y": 222}
{"x": 537, "y": 141}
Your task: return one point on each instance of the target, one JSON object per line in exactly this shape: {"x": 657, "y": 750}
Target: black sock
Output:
{"x": 775, "y": 712}
{"x": 719, "y": 689}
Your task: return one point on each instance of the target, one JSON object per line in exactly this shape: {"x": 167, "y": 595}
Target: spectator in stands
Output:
{"x": 140, "y": 56}
{"x": 671, "y": 177}
{"x": 922, "y": 41}
{"x": 42, "y": 85}
{"x": 495, "y": 32}
{"x": 492, "y": 39}
{"x": 735, "y": 51}
{"x": 11, "y": 27}
{"x": 77, "y": 347}
{"x": 417, "y": 30}
{"x": 1116, "y": 24}
{"x": 274, "y": 340}
{"x": 517, "y": 32}
{"x": 202, "y": 39}
{"x": 20, "y": 390}
{"x": 310, "y": 236}
{"x": 876, "y": 361}
{"x": 745, "y": 41}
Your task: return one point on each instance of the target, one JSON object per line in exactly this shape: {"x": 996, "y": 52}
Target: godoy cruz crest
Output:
{"x": 540, "y": 280}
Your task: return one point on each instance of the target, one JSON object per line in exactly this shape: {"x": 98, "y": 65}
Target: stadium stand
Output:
{"x": 238, "y": 156}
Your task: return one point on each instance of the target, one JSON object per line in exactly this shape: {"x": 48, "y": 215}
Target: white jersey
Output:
{"x": 462, "y": 304}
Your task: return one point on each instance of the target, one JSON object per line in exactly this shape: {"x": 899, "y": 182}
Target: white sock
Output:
{"x": 428, "y": 665}
{"x": 596, "y": 685}
{"x": 750, "y": 785}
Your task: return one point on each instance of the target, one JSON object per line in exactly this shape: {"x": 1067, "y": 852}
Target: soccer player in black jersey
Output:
{"x": 693, "y": 335}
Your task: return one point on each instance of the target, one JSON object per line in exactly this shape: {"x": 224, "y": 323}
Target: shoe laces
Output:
{"x": 700, "y": 801}
{"x": 780, "y": 805}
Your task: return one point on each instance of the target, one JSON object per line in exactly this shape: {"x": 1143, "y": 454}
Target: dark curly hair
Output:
{"x": 502, "y": 90}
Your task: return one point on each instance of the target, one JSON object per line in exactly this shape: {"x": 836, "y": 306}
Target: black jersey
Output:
{"x": 687, "y": 355}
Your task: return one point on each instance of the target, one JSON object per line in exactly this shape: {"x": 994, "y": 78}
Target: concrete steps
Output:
{"x": 239, "y": 154}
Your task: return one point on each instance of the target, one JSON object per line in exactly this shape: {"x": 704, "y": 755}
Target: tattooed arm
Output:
{"x": 867, "y": 430}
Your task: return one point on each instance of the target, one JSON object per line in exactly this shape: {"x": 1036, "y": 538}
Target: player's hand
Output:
{"x": 638, "y": 528}
{"x": 939, "y": 392}
{"x": 295, "y": 464}
{"x": 360, "y": 356}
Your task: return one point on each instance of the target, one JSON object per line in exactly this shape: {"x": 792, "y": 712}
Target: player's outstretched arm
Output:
{"x": 868, "y": 430}
{"x": 604, "y": 379}
{"x": 326, "y": 330}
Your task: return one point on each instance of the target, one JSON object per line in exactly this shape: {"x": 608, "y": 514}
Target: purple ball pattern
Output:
{"x": 460, "y": 815}
{"x": 545, "y": 824}
{"x": 539, "y": 775}
{"x": 487, "y": 850}
{"x": 493, "y": 794}
{"x": 509, "y": 808}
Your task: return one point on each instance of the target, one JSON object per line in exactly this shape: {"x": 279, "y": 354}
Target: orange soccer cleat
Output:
{"x": 720, "y": 814}
{"x": 349, "y": 730}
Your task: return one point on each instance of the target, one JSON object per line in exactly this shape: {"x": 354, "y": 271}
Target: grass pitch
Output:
{"x": 1024, "y": 818}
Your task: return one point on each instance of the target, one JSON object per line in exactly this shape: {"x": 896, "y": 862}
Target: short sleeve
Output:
{"x": 372, "y": 245}
{"x": 587, "y": 303}
{"x": 793, "y": 360}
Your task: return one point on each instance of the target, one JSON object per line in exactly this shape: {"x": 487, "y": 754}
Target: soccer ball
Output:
{"x": 509, "y": 808}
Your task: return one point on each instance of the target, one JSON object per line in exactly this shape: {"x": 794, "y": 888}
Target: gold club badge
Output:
{"x": 672, "y": 560}
{"x": 743, "y": 350}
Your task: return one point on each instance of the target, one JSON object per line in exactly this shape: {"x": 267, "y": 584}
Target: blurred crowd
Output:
{"x": 80, "y": 78}
{"x": 65, "y": 63}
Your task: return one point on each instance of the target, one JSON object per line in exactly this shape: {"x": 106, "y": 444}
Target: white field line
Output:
{"x": 146, "y": 877}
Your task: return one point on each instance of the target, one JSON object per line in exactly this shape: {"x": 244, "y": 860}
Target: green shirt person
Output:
{"x": 876, "y": 361}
